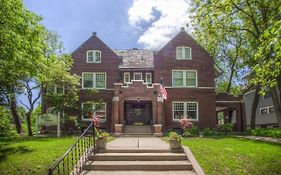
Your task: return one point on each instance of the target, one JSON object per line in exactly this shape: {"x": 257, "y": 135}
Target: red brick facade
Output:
{"x": 164, "y": 62}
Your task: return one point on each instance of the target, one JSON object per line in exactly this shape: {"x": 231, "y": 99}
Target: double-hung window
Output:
{"x": 89, "y": 109}
{"x": 148, "y": 78}
{"x": 187, "y": 109}
{"x": 138, "y": 76}
{"x": 183, "y": 53}
{"x": 95, "y": 80}
{"x": 127, "y": 78}
{"x": 93, "y": 56}
{"x": 184, "y": 78}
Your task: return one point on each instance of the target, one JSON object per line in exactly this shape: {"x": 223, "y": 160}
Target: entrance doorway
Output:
{"x": 138, "y": 112}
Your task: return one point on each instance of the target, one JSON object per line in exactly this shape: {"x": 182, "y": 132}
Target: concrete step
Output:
{"x": 138, "y": 150}
{"x": 138, "y": 157}
{"x": 138, "y": 165}
{"x": 138, "y": 129}
{"x": 131, "y": 172}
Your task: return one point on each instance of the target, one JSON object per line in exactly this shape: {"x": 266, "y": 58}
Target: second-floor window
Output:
{"x": 95, "y": 80}
{"x": 148, "y": 78}
{"x": 138, "y": 76}
{"x": 184, "y": 53}
{"x": 184, "y": 78}
{"x": 93, "y": 56}
{"x": 127, "y": 78}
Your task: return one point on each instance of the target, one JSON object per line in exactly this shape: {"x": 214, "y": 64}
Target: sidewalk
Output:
{"x": 265, "y": 139}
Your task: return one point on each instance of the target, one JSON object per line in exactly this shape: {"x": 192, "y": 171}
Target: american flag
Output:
{"x": 163, "y": 92}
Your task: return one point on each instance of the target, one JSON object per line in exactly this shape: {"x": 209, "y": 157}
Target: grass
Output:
{"x": 236, "y": 156}
{"x": 31, "y": 155}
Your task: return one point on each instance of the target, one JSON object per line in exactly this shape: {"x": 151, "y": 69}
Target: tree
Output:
{"x": 217, "y": 21}
{"x": 20, "y": 51}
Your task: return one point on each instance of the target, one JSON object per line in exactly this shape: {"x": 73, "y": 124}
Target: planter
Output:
{"x": 101, "y": 143}
{"x": 175, "y": 144}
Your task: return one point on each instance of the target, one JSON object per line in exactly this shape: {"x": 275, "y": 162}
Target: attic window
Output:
{"x": 183, "y": 53}
{"x": 93, "y": 56}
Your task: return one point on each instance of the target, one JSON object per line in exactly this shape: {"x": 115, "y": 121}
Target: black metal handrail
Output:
{"x": 76, "y": 156}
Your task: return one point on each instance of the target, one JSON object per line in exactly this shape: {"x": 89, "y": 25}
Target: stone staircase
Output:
{"x": 139, "y": 156}
{"x": 132, "y": 130}
{"x": 134, "y": 161}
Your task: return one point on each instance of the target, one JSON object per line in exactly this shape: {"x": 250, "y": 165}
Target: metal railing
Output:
{"x": 76, "y": 156}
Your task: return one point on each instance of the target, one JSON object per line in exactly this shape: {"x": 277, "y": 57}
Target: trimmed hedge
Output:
{"x": 265, "y": 132}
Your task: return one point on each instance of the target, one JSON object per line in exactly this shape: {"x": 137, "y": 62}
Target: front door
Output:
{"x": 138, "y": 113}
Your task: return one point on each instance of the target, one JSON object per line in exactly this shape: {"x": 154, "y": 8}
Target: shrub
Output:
{"x": 187, "y": 134}
{"x": 265, "y": 132}
{"x": 185, "y": 123}
{"x": 101, "y": 134}
{"x": 175, "y": 136}
{"x": 228, "y": 127}
{"x": 5, "y": 123}
{"x": 194, "y": 130}
{"x": 206, "y": 131}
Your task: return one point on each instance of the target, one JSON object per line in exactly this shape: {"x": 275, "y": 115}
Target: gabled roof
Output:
{"x": 136, "y": 58}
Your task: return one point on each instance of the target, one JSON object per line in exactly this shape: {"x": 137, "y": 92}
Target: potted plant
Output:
{"x": 101, "y": 139}
{"x": 175, "y": 140}
{"x": 101, "y": 136}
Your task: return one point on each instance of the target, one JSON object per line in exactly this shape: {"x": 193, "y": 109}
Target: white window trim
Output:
{"x": 267, "y": 110}
{"x": 94, "y": 56}
{"x": 127, "y": 73}
{"x": 87, "y": 119}
{"x": 55, "y": 89}
{"x": 150, "y": 74}
{"x": 184, "y": 109}
{"x": 184, "y": 53}
{"x": 136, "y": 73}
{"x": 184, "y": 78}
{"x": 94, "y": 79}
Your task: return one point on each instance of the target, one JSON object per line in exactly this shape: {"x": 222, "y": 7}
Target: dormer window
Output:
{"x": 184, "y": 53}
{"x": 93, "y": 56}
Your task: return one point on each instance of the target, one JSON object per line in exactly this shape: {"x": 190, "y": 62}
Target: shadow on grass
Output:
{"x": 6, "y": 151}
{"x": 258, "y": 141}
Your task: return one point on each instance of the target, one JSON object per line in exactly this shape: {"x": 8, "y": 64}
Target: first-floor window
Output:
{"x": 94, "y": 80}
{"x": 89, "y": 109}
{"x": 188, "y": 109}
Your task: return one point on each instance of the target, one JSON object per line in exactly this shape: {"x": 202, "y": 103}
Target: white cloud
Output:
{"x": 163, "y": 17}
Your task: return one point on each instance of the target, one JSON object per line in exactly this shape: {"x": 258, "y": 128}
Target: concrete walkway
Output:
{"x": 137, "y": 143}
{"x": 265, "y": 139}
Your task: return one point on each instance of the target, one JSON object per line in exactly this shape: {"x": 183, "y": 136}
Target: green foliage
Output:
{"x": 265, "y": 132}
{"x": 228, "y": 127}
{"x": 233, "y": 156}
{"x": 191, "y": 132}
{"x": 222, "y": 86}
{"x": 5, "y": 122}
{"x": 102, "y": 134}
{"x": 187, "y": 134}
{"x": 175, "y": 136}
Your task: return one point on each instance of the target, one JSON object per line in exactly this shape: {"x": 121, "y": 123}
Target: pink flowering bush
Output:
{"x": 96, "y": 119}
{"x": 185, "y": 123}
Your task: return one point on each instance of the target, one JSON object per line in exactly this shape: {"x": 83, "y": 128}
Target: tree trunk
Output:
{"x": 254, "y": 107}
{"x": 277, "y": 105}
{"x": 15, "y": 114}
{"x": 28, "y": 123}
{"x": 230, "y": 78}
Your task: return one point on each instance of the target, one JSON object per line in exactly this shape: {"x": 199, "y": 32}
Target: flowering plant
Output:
{"x": 96, "y": 119}
{"x": 185, "y": 123}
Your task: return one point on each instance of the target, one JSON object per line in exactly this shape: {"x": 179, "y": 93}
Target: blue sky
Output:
{"x": 75, "y": 21}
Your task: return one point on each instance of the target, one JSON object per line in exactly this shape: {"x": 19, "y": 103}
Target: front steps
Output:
{"x": 132, "y": 161}
{"x": 132, "y": 130}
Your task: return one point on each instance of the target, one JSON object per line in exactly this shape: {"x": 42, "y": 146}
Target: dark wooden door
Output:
{"x": 138, "y": 113}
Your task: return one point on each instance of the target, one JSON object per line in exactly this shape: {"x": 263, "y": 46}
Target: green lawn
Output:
{"x": 31, "y": 156}
{"x": 236, "y": 156}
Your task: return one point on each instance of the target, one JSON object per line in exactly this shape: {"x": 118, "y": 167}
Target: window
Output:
{"x": 183, "y": 53}
{"x": 137, "y": 76}
{"x": 56, "y": 89}
{"x": 184, "y": 78}
{"x": 93, "y": 108}
{"x": 267, "y": 110}
{"x": 271, "y": 109}
{"x": 93, "y": 56}
{"x": 94, "y": 80}
{"x": 189, "y": 109}
{"x": 263, "y": 111}
{"x": 126, "y": 78}
{"x": 148, "y": 78}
